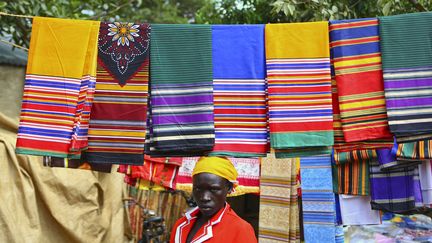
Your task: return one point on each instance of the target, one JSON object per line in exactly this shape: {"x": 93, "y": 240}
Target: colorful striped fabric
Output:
{"x": 420, "y": 150}
{"x": 239, "y": 90}
{"x": 357, "y": 61}
{"x": 351, "y": 172}
{"x": 407, "y": 67}
{"x": 340, "y": 145}
{"x": 394, "y": 191}
{"x": 58, "y": 87}
{"x": 248, "y": 175}
{"x": 318, "y": 200}
{"x": 182, "y": 120}
{"x": 117, "y": 122}
{"x": 299, "y": 85}
{"x": 279, "y": 212}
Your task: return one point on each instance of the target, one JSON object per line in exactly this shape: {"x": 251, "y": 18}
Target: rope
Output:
{"x": 16, "y": 15}
{"x": 13, "y": 44}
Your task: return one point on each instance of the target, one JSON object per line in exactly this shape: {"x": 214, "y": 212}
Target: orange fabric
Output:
{"x": 226, "y": 225}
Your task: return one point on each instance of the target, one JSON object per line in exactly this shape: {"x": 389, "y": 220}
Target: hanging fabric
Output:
{"x": 248, "y": 170}
{"x": 239, "y": 90}
{"x": 80, "y": 163}
{"x": 318, "y": 200}
{"x": 425, "y": 174}
{"x": 182, "y": 120}
{"x": 356, "y": 210}
{"x": 117, "y": 122}
{"x": 59, "y": 87}
{"x": 279, "y": 209}
{"x": 357, "y": 63}
{"x": 299, "y": 87}
{"x": 407, "y": 68}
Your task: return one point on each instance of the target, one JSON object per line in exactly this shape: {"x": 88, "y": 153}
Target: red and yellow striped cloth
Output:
{"x": 356, "y": 58}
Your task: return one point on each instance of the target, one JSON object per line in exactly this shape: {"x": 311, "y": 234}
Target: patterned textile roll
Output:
{"x": 117, "y": 121}
{"x": 239, "y": 90}
{"x": 58, "y": 88}
{"x": 351, "y": 172}
{"x": 357, "y": 61}
{"x": 318, "y": 200}
{"x": 420, "y": 150}
{"x": 396, "y": 190}
{"x": 248, "y": 170}
{"x": 299, "y": 86}
{"x": 182, "y": 120}
{"x": 279, "y": 209}
{"x": 407, "y": 67}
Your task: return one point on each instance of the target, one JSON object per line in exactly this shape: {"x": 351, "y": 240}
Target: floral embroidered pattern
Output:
{"x": 123, "y": 48}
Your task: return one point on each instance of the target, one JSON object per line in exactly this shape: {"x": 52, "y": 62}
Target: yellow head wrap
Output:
{"x": 218, "y": 166}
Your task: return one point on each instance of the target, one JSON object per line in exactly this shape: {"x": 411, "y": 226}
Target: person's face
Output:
{"x": 209, "y": 192}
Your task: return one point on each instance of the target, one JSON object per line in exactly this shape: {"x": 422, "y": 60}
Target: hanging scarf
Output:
{"x": 182, "y": 121}
{"x": 299, "y": 87}
{"x": 117, "y": 122}
{"x": 407, "y": 68}
{"x": 239, "y": 90}
{"x": 59, "y": 87}
{"x": 357, "y": 61}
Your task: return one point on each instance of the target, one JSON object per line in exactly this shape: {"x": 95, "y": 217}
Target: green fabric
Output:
{"x": 172, "y": 65}
{"x": 303, "y": 139}
{"x": 406, "y": 40}
{"x": 45, "y": 153}
{"x": 237, "y": 155}
{"x": 302, "y": 152}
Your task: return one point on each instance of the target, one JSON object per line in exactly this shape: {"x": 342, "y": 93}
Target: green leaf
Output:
{"x": 386, "y": 9}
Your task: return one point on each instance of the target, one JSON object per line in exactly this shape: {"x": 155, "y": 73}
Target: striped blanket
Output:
{"x": 318, "y": 200}
{"x": 299, "y": 86}
{"x": 248, "y": 175}
{"x": 351, "y": 172}
{"x": 239, "y": 91}
{"x": 396, "y": 190}
{"x": 58, "y": 89}
{"x": 279, "y": 211}
{"x": 407, "y": 67}
{"x": 117, "y": 122}
{"x": 182, "y": 120}
{"x": 357, "y": 62}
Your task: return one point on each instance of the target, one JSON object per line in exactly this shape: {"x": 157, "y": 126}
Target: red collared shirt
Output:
{"x": 224, "y": 227}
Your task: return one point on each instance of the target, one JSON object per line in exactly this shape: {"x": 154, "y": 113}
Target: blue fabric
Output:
{"x": 232, "y": 58}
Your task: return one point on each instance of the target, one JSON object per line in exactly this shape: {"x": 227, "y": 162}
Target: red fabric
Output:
{"x": 230, "y": 228}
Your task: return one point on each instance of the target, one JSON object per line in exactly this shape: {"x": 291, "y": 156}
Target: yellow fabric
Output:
{"x": 300, "y": 40}
{"x": 68, "y": 46}
{"x": 218, "y": 166}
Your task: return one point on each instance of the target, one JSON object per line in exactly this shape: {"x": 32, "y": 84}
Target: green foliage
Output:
{"x": 198, "y": 11}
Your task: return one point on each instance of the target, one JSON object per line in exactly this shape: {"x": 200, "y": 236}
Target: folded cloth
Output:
{"x": 80, "y": 163}
{"x": 118, "y": 116}
{"x": 396, "y": 190}
{"x": 318, "y": 200}
{"x": 239, "y": 91}
{"x": 425, "y": 173}
{"x": 396, "y": 157}
{"x": 248, "y": 170}
{"x": 407, "y": 68}
{"x": 351, "y": 172}
{"x": 182, "y": 121}
{"x": 299, "y": 85}
{"x": 58, "y": 88}
{"x": 279, "y": 210}
{"x": 357, "y": 62}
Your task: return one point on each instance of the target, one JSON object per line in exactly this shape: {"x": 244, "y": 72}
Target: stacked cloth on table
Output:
{"x": 299, "y": 88}
{"x": 118, "y": 115}
{"x": 279, "y": 209}
{"x": 181, "y": 121}
{"x": 407, "y": 68}
{"x": 59, "y": 87}
{"x": 356, "y": 58}
{"x": 248, "y": 170}
{"x": 239, "y": 91}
